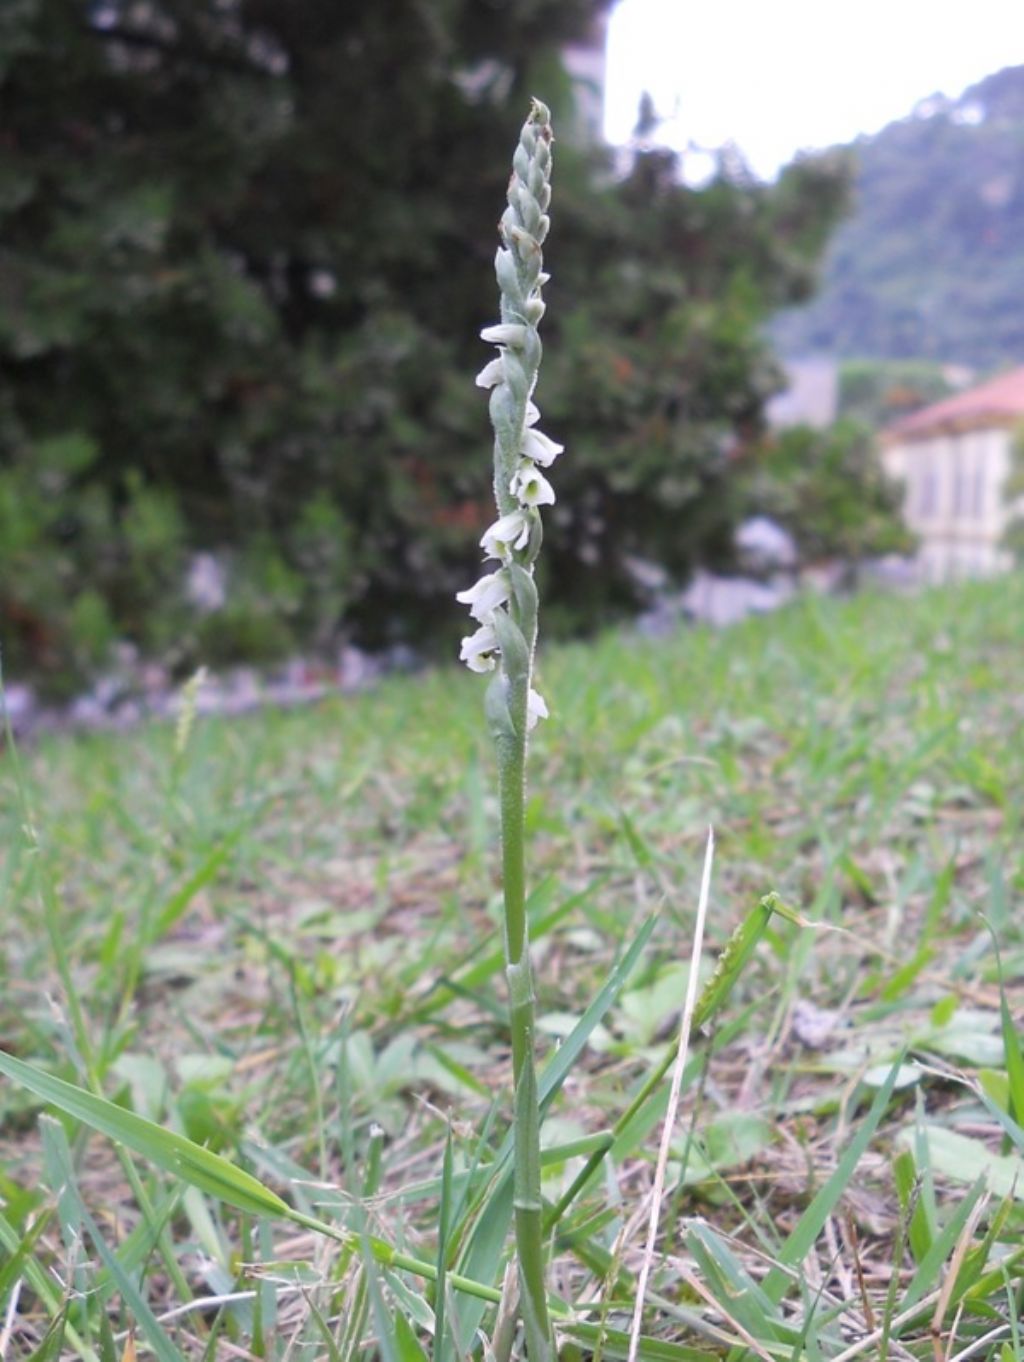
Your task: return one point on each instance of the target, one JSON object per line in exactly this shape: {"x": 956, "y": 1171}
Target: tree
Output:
{"x": 658, "y": 368}
{"x": 246, "y": 253}
{"x": 877, "y": 392}
{"x": 829, "y": 491}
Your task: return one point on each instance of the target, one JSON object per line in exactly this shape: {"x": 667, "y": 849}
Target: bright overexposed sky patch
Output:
{"x": 776, "y": 76}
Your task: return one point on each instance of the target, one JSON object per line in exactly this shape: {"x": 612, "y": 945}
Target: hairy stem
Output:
{"x": 529, "y": 1228}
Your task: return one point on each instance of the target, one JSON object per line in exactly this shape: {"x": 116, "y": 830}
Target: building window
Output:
{"x": 978, "y": 488}
{"x": 960, "y": 488}
{"x": 928, "y": 492}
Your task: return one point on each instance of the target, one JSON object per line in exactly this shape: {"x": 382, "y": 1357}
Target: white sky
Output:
{"x": 776, "y": 76}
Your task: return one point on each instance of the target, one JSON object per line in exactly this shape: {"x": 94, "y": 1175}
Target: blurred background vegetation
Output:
{"x": 246, "y": 252}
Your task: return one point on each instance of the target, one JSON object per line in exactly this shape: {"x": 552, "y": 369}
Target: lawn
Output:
{"x": 278, "y": 936}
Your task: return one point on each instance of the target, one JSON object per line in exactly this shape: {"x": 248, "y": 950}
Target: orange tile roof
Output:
{"x": 998, "y": 402}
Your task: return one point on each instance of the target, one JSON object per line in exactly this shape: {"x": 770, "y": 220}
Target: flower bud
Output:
{"x": 506, "y": 333}
{"x": 491, "y": 374}
{"x": 507, "y": 275}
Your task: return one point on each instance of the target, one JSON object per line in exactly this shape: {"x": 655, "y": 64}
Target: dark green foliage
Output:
{"x": 246, "y": 253}
{"x": 828, "y": 489}
{"x": 931, "y": 262}
{"x": 877, "y": 392}
{"x": 657, "y": 370}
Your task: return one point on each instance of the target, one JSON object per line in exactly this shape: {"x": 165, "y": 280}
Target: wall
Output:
{"x": 953, "y": 500}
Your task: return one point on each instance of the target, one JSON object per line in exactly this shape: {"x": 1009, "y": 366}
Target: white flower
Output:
{"x": 538, "y": 447}
{"x": 486, "y": 595}
{"x": 536, "y": 709}
{"x": 506, "y": 333}
{"x": 491, "y": 374}
{"x": 532, "y": 412}
{"x": 479, "y": 650}
{"x": 512, "y": 531}
{"x": 532, "y": 487}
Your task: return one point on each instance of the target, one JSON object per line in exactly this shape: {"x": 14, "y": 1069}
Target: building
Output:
{"x": 953, "y": 459}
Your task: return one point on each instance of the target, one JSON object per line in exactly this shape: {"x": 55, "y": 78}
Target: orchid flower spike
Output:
{"x": 504, "y": 603}
{"x": 521, "y": 450}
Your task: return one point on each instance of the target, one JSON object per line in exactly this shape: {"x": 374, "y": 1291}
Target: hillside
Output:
{"x": 931, "y": 262}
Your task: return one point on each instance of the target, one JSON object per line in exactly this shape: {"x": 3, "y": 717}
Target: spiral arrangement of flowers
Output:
{"x": 504, "y": 604}
{"x": 500, "y": 599}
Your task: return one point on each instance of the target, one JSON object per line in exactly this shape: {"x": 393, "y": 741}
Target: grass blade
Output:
{"x": 56, "y": 1144}
{"x": 493, "y": 1209}
{"x": 165, "y": 1148}
{"x": 811, "y": 1223}
{"x": 682, "y": 1049}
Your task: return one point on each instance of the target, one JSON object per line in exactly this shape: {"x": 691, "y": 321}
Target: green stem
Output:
{"x": 512, "y": 795}
{"x": 387, "y": 1256}
{"x": 528, "y": 1206}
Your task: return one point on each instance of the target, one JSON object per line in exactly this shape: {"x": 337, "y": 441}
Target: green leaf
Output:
{"x": 444, "y": 1229}
{"x": 524, "y": 591}
{"x": 740, "y": 1294}
{"x": 41, "y": 1283}
{"x": 930, "y": 1267}
{"x": 165, "y": 1148}
{"x": 383, "y": 1318}
{"x": 1014, "y": 1057}
{"x": 905, "y": 1176}
{"x": 58, "y": 1153}
{"x": 559, "y": 1066}
{"x": 731, "y": 1140}
{"x": 497, "y": 712}
{"x": 965, "y": 1159}
{"x": 483, "y": 1253}
{"x": 407, "y": 1345}
{"x": 996, "y": 1085}
{"x": 179, "y": 901}
{"x": 515, "y": 651}
{"x": 811, "y": 1223}
{"x": 15, "y": 1266}
{"x": 615, "y": 1343}
{"x": 52, "y": 1346}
